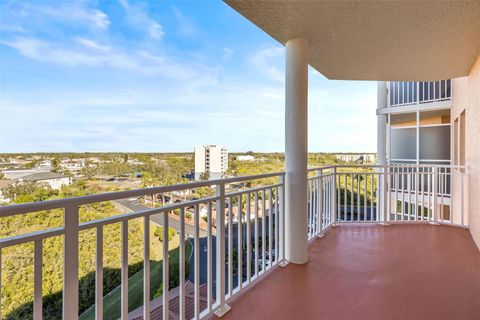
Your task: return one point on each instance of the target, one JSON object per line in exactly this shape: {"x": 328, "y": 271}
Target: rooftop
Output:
{"x": 410, "y": 271}
{"x": 37, "y": 176}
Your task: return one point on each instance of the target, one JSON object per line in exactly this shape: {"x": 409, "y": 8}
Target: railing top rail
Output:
{"x": 386, "y": 166}
{"x": 61, "y": 203}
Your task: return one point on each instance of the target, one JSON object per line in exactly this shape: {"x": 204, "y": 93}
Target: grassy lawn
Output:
{"x": 112, "y": 301}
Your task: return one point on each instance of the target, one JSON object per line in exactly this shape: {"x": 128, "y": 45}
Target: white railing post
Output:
{"x": 385, "y": 213}
{"x": 320, "y": 200}
{"x": 220, "y": 256}
{"x": 283, "y": 262}
{"x": 434, "y": 195}
{"x": 335, "y": 199}
{"x": 70, "y": 262}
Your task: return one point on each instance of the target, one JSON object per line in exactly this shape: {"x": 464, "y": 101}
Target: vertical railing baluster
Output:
{"x": 270, "y": 228}
{"x": 196, "y": 257}
{"x": 372, "y": 196}
{"x": 239, "y": 242}
{"x": 230, "y": 246}
{"x": 352, "y": 190}
{"x": 181, "y": 306}
{"x": 416, "y": 193}
{"x": 220, "y": 254}
{"x": 70, "y": 262}
{"x": 124, "y": 271}
{"x": 320, "y": 211}
{"x": 358, "y": 197}
{"x": 37, "y": 279}
{"x": 165, "y": 267}
{"x": 264, "y": 230}
{"x": 209, "y": 257}
{"x": 309, "y": 208}
{"x": 281, "y": 181}
{"x": 256, "y": 234}
{"x": 435, "y": 191}
{"x": 422, "y": 193}
{"x": 365, "y": 197}
{"x": 249, "y": 237}
{"x": 99, "y": 275}
{"x": 277, "y": 219}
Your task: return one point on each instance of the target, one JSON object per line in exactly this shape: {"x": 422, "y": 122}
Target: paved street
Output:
{"x": 158, "y": 218}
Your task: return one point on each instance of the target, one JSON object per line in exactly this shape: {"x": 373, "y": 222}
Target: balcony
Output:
{"x": 368, "y": 256}
{"x": 404, "y": 93}
{"x": 411, "y": 271}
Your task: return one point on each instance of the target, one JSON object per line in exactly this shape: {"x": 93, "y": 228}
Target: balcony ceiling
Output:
{"x": 376, "y": 40}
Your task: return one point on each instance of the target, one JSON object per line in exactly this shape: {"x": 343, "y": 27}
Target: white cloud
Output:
{"x": 227, "y": 54}
{"x": 139, "y": 18}
{"x": 185, "y": 25}
{"x": 70, "y": 12}
{"x": 269, "y": 62}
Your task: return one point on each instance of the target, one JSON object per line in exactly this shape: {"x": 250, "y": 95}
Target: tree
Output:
{"x": 205, "y": 176}
{"x": 89, "y": 170}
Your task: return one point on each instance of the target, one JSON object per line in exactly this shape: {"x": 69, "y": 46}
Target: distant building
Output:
{"x": 212, "y": 159}
{"x": 245, "y": 158}
{"x": 52, "y": 179}
{"x": 364, "y": 158}
{"x": 74, "y": 166}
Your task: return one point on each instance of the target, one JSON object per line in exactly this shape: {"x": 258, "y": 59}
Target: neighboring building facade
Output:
{"x": 211, "y": 159}
{"x": 418, "y": 121}
{"x": 52, "y": 179}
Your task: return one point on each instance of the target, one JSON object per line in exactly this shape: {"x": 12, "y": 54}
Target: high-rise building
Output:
{"x": 211, "y": 160}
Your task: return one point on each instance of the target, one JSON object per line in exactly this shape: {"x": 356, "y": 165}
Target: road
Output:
{"x": 135, "y": 206}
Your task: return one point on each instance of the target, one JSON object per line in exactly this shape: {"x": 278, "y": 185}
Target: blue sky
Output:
{"x": 158, "y": 76}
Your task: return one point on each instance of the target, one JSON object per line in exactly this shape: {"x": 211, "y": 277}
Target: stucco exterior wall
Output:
{"x": 466, "y": 96}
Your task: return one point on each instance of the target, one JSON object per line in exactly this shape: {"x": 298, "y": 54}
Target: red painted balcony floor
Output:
{"x": 413, "y": 271}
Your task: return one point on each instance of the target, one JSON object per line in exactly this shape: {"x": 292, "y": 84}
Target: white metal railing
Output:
{"x": 248, "y": 232}
{"x": 386, "y": 194}
{"x": 401, "y": 93}
{"x": 247, "y": 216}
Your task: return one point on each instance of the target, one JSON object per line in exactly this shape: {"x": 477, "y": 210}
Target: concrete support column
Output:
{"x": 296, "y": 149}
{"x": 382, "y": 149}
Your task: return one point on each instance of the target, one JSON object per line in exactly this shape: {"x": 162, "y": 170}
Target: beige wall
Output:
{"x": 466, "y": 96}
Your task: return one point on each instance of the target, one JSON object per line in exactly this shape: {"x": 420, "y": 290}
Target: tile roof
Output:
{"x": 37, "y": 176}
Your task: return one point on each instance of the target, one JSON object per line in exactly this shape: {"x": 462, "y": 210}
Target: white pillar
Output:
{"x": 381, "y": 123}
{"x": 382, "y": 148}
{"x": 296, "y": 148}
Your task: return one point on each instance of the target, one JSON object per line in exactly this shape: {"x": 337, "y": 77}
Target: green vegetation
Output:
{"x": 17, "y": 261}
{"x": 112, "y": 301}
{"x": 159, "y": 233}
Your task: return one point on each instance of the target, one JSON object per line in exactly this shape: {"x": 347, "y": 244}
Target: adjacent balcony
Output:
{"x": 385, "y": 242}
{"x": 404, "y": 93}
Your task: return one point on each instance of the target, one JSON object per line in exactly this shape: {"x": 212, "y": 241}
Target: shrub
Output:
{"x": 159, "y": 233}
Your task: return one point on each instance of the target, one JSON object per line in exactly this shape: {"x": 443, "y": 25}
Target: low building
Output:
{"x": 245, "y": 158}
{"x": 364, "y": 158}
{"x": 52, "y": 179}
